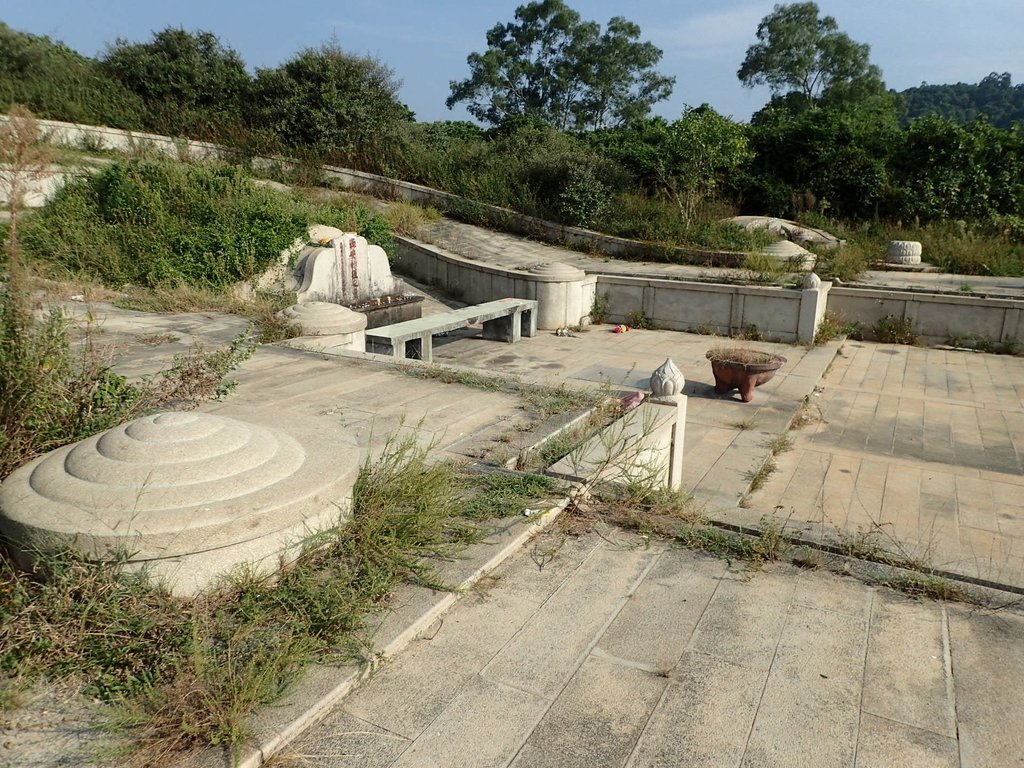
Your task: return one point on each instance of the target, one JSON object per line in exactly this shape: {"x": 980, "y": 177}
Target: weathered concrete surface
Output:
{"x": 679, "y": 659}
{"x": 919, "y": 451}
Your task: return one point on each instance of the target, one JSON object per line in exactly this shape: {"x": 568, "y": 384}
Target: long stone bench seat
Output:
{"x": 503, "y": 320}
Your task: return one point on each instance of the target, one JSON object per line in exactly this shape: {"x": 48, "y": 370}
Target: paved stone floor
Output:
{"x": 613, "y": 652}
{"x": 608, "y": 650}
{"x": 921, "y": 448}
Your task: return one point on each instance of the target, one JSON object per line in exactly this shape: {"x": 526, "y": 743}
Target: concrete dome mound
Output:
{"x": 791, "y": 254}
{"x": 322, "y": 318}
{"x": 172, "y": 490}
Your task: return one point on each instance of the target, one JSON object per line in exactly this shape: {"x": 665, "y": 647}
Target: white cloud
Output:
{"x": 712, "y": 34}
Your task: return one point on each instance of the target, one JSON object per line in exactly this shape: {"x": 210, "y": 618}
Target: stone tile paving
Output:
{"x": 725, "y": 438}
{"x": 922, "y": 447}
{"x": 623, "y": 653}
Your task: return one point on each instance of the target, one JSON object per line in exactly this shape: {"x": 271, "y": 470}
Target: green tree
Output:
{"x": 190, "y": 83}
{"x": 551, "y": 64}
{"x": 58, "y": 83}
{"x": 826, "y": 160}
{"x": 332, "y": 105}
{"x": 798, "y": 52}
{"x": 686, "y": 160}
{"x": 950, "y": 171}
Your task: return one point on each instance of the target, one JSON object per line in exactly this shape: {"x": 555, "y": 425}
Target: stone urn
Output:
{"x": 742, "y": 369}
{"x": 903, "y": 252}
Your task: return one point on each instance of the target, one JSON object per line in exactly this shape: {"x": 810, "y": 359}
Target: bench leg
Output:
{"x": 380, "y": 347}
{"x": 503, "y": 328}
{"x": 419, "y": 349}
{"x": 528, "y": 323}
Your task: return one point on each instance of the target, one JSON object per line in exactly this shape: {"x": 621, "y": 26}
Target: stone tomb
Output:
{"x": 186, "y": 495}
{"x": 343, "y": 269}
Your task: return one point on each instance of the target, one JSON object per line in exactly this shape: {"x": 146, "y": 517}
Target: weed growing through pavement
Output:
{"x": 539, "y": 400}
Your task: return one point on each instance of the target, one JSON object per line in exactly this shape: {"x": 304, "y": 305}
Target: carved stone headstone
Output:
{"x": 344, "y": 270}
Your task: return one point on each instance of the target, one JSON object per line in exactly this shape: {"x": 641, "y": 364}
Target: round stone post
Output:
{"x": 559, "y": 294}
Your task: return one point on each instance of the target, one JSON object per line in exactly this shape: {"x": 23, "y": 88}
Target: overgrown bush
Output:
{"x": 152, "y": 222}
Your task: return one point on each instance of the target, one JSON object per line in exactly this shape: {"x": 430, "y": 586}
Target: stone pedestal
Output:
{"x": 903, "y": 252}
{"x": 559, "y": 294}
{"x": 676, "y": 439}
{"x": 332, "y": 324}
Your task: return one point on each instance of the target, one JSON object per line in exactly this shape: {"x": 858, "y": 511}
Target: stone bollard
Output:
{"x": 667, "y": 384}
{"x": 813, "y": 302}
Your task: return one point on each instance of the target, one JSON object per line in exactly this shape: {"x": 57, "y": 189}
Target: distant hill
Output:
{"x": 995, "y": 97}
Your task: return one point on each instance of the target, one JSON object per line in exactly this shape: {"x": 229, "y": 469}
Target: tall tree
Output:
{"x": 551, "y": 64}
{"x": 331, "y": 104}
{"x": 189, "y": 82}
{"x": 799, "y": 52}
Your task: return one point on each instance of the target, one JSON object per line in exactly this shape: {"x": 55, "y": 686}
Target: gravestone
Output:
{"x": 343, "y": 269}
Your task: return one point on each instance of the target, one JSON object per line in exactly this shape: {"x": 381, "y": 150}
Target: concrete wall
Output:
{"x": 673, "y": 304}
{"x": 706, "y": 307}
{"x": 101, "y": 137}
{"x": 936, "y": 318}
{"x": 562, "y": 302}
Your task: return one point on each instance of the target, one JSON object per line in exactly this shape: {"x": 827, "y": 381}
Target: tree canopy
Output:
{"x": 330, "y": 103}
{"x": 189, "y": 82}
{"x": 995, "y": 97}
{"x": 59, "y": 83}
{"x": 551, "y": 64}
{"x": 799, "y": 52}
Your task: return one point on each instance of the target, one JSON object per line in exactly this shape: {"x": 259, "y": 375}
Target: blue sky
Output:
{"x": 426, "y": 42}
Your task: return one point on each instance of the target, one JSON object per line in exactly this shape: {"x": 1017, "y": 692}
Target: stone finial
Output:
{"x": 667, "y": 379}
{"x": 812, "y": 281}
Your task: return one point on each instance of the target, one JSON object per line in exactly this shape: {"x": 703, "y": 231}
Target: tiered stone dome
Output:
{"x": 323, "y": 318}
{"x": 169, "y": 485}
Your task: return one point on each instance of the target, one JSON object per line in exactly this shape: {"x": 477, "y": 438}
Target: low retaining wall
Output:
{"x": 565, "y": 294}
{"x": 936, "y": 317}
{"x": 101, "y": 137}
{"x": 775, "y": 313}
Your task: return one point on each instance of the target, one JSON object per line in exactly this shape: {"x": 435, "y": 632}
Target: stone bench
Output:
{"x": 503, "y": 320}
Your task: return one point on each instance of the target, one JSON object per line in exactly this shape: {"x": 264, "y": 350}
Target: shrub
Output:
{"x": 149, "y": 222}
{"x": 895, "y": 330}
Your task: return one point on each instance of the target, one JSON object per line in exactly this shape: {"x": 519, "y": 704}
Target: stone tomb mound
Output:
{"x": 343, "y": 268}
{"x": 186, "y": 495}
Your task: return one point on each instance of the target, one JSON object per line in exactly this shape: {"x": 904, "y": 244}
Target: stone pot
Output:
{"x": 742, "y": 369}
